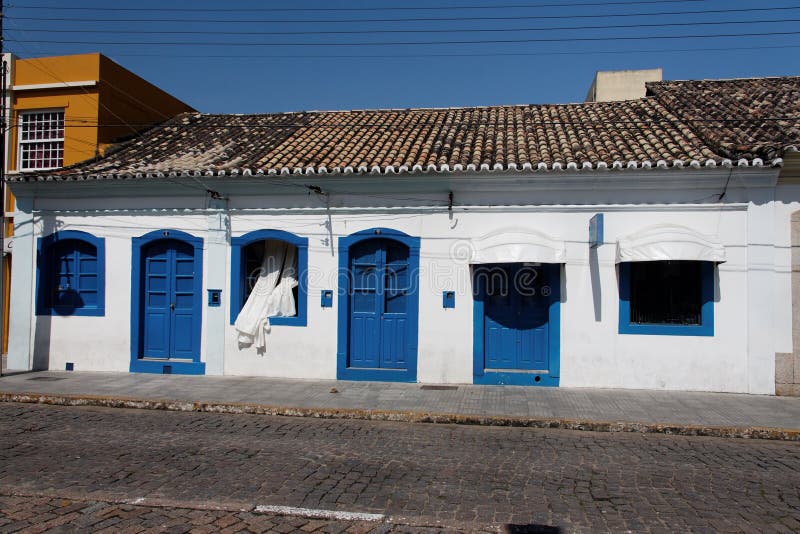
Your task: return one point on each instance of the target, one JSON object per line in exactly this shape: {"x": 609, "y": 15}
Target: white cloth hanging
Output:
{"x": 271, "y": 296}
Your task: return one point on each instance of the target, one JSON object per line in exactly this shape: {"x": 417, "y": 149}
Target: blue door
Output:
{"x": 169, "y": 312}
{"x": 379, "y": 296}
{"x": 516, "y": 302}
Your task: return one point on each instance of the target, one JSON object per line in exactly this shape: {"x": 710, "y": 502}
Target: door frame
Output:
{"x": 522, "y": 378}
{"x": 343, "y": 372}
{"x": 138, "y": 364}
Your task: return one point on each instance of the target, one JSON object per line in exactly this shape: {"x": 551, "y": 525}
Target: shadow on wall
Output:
{"x": 41, "y": 339}
{"x": 597, "y": 293}
{"x": 41, "y": 343}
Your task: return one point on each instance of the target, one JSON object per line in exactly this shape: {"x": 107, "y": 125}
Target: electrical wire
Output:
{"x": 435, "y": 55}
{"x": 97, "y": 98}
{"x": 412, "y": 43}
{"x": 344, "y": 9}
{"x": 411, "y": 19}
{"x": 437, "y": 31}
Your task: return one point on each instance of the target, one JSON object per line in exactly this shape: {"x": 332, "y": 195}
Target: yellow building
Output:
{"x": 65, "y": 109}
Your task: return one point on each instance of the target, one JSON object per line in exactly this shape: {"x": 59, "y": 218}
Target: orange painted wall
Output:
{"x": 131, "y": 104}
{"x": 117, "y": 106}
{"x": 80, "y": 104}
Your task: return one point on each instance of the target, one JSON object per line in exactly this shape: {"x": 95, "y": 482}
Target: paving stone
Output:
{"x": 576, "y": 482}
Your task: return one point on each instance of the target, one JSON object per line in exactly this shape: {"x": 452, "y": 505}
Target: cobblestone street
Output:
{"x": 95, "y": 468}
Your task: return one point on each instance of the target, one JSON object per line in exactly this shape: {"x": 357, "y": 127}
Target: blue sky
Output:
{"x": 254, "y": 56}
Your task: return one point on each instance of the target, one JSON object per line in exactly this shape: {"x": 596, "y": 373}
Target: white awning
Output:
{"x": 669, "y": 242}
{"x": 513, "y": 245}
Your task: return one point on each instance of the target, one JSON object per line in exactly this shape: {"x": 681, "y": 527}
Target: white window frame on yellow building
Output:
{"x": 21, "y": 143}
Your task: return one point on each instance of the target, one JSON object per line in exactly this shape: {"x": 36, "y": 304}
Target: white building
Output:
{"x": 601, "y": 245}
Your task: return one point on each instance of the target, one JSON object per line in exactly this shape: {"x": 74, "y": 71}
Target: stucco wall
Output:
{"x": 752, "y": 311}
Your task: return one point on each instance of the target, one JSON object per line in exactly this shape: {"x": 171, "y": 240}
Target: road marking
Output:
{"x": 314, "y": 513}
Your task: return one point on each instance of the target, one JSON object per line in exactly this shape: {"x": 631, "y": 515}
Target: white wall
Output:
{"x": 593, "y": 354}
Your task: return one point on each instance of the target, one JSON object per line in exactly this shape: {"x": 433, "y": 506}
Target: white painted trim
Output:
{"x": 559, "y": 208}
{"x": 669, "y": 242}
{"x": 314, "y": 513}
{"x": 57, "y": 85}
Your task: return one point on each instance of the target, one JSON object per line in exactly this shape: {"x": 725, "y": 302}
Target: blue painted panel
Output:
{"x": 70, "y": 274}
{"x": 596, "y": 230}
{"x": 367, "y": 309}
{"x": 166, "y": 303}
{"x": 516, "y": 318}
{"x": 157, "y": 288}
{"x": 378, "y": 313}
{"x": 184, "y": 300}
{"x": 170, "y": 300}
{"x": 516, "y": 324}
{"x": 448, "y": 299}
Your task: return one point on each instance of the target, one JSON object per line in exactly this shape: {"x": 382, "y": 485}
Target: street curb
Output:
{"x": 771, "y": 433}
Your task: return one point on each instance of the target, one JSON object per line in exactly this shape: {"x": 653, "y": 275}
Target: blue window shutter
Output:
{"x": 71, "y": 274}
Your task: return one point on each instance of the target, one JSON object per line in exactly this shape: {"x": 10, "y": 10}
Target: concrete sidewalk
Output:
{"x": 690, "y": 413}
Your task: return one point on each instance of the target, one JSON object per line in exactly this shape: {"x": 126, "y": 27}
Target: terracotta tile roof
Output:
{"x": 742, "y": 118}
{"x": 663, "y": 130}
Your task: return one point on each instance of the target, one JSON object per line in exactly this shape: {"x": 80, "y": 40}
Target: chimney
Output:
{"x": 613, "y": 85}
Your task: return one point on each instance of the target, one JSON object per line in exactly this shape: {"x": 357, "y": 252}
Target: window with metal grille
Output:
{"x": 665, "y": 292}
{"x": 667, "y": 297}
{"x": 71, "y": 274}
{"x": 41, "y": 140}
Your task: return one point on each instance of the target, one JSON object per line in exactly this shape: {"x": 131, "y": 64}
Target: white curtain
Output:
{"x": 271, "y": 296}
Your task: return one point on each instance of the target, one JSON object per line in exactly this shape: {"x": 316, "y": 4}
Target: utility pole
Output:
{"x": 2, "y": 184}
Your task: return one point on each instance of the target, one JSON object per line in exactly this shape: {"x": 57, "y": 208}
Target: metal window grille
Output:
{"x": 666, "y": 292}
{"x": 41, "y": 140}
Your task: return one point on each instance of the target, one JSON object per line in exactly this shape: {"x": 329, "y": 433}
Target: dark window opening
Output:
{"x": 253, "y": 261}
{"x": 666, "y": 292}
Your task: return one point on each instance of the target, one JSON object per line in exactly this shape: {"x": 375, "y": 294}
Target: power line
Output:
{"x": 413, "y": 19}
{"x": 618, "y": 124}
{"x": 449, "y": 30}
{"x": 344, "y": 9}
{"x": 412, "y": 43}
{"x": 164, "y": 115}
{"x": 45, "y": 70}
{"x": 432, "y": 55}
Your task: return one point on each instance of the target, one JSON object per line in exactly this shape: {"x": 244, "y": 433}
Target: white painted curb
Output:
{"x": 319, "y": 514}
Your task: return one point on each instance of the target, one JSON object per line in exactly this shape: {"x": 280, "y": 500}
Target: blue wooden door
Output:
{"x": 516, "y": 307}
{"x": 379, "y": 305}
{"x": 169, "y": 301}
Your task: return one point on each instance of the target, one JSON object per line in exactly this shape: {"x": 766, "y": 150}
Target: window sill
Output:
{"x": 288, "y": 321}
{"x": 667, "y": 330}
{"x": 79, "y": 312}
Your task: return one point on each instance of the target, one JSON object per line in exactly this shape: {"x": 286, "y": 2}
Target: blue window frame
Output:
{"x": 668, "y": 298}
{"x": 240, "y": 275}
{"x": 70, "y": 274}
